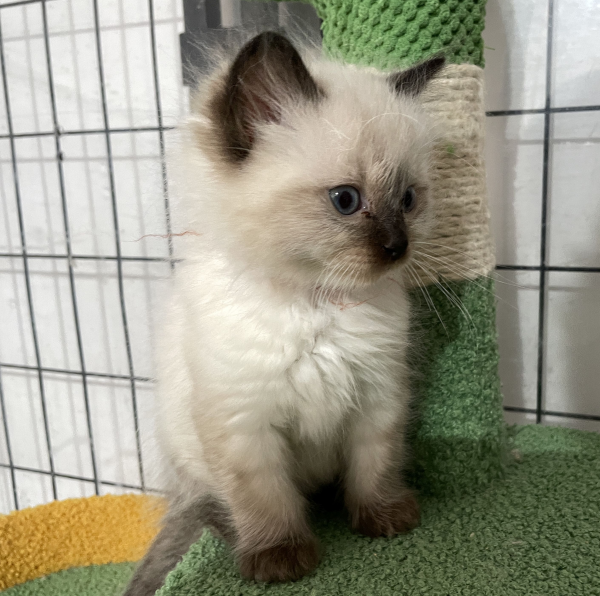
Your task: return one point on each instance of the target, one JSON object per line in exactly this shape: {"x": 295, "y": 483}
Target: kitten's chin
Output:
{"x": 365, "y": 278}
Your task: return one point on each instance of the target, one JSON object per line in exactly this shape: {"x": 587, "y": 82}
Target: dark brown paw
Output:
{"x": 396, "y": 516}
{"x": 285, "y": 562}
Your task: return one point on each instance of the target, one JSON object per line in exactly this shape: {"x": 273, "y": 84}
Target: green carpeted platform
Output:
{"x": 535, "y": 533}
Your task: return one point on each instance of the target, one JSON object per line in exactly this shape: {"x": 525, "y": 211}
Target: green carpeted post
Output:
{"x": 460, "y": 441}
{"x": 395, "y": 33}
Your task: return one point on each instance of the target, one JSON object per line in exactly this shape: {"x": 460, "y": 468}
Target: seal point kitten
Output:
{"x": 282, "y": 361}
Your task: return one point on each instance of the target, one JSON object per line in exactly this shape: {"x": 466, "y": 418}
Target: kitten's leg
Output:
{"x": 376, "y": 497}
{"x": 182, "y": 526}
{"x": 274, "y": 540}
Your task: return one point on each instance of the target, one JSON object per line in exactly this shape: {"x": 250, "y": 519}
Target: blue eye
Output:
{"x": 409, "y": 200}
{"x": 346, "y": 199}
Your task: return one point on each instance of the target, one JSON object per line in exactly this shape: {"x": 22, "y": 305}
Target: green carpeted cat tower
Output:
{"x": 504, "y": 511}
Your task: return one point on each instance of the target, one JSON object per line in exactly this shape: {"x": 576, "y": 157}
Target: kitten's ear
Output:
{"x": 413, "y": 81}
{"x": 267, "y": 73}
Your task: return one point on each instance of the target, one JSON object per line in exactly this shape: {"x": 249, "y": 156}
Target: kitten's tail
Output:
{"x": 182, "y": 526}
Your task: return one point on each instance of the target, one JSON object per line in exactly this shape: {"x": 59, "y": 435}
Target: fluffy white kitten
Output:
{"x": 282, "y": 365}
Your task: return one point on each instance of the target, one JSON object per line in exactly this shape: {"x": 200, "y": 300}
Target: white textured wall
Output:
{"x": 515, "y": 80}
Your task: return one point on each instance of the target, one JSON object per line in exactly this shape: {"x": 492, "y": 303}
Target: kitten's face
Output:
{"x": 323, "y": 175}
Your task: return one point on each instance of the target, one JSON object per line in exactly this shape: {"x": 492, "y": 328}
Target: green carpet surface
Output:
{"x": 534, "y": 533}
{"x": 97, "y": 580}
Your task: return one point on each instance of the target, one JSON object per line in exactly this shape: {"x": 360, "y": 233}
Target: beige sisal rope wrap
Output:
{"x": 461, "y": 245}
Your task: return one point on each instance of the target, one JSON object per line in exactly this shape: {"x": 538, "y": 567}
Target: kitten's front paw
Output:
{"x": 287, "y": 561}
{"x": 387, "y": 518}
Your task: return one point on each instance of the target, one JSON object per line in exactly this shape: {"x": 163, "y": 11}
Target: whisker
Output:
{"x": 426, "y": 295}
{"x": 453, "y": 298}
{"x": 364, "y": 124}
{"x": 471, "y": 280}
{"x": 497, "y": 276}
{"x": 472, "y": 166}
{"x": 450, "y": 264}
{"x": 455, "y": 263}
{"x": 337, "y": 132}
{"x": 447, "y": 262}
{"x": 320, "y": 285}
{"x": 476, "y": 283}
{"x": 339, "y": 276}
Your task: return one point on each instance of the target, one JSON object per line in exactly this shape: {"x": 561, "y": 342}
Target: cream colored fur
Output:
{"x": 282, "y": 357}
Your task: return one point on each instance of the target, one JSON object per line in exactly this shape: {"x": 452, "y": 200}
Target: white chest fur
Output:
{"x": 252, "y": 357}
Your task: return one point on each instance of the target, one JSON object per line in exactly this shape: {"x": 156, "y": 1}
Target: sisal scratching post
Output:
{"x": 460, "y": 443}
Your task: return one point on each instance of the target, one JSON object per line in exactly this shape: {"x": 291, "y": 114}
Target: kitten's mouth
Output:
{"x": 384, "y": 262}
{"x": 366, "y": 272}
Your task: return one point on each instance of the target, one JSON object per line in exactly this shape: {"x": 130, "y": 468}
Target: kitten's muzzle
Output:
{"x": 396, "y": 250}
{"x": 394, "y": 240}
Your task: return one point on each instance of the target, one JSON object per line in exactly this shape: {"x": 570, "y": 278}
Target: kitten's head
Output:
{"x": 317, "y": 171}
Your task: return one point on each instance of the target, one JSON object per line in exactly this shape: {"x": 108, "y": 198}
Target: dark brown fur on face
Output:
{"x": 383, "y": 232}
{"x": 414, "y": 80}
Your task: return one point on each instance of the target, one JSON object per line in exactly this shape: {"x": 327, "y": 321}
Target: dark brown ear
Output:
{"x": 413, "y": 81}
{"x": 267, "y": 73}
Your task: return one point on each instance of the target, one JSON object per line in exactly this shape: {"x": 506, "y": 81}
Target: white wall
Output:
{"x": 515, "y": 80}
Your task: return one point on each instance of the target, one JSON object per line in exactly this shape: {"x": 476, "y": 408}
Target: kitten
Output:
{"x": 282, "y": 365}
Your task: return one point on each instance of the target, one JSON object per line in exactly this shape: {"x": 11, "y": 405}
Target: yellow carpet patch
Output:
{"x": 74, "y": 533}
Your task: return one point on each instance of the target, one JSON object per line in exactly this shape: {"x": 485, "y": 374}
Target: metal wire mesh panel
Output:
{"x": 91, "y": 90}
{"x": 80, "y": 141}
{"x": 87, "y": 244}
{"x": 550, "y": 139}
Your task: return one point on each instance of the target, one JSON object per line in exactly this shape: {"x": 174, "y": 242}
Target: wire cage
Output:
{"x": 91, "y": 90}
